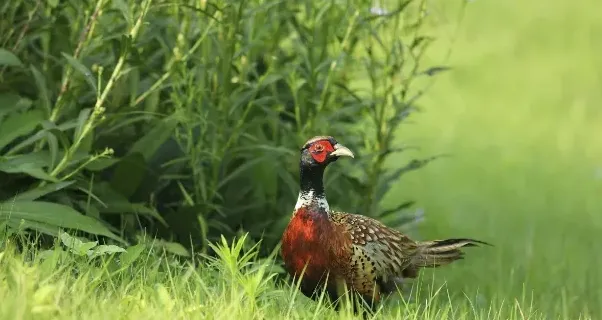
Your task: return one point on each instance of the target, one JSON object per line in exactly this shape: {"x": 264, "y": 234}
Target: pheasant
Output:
{"x": 349, "y": 251}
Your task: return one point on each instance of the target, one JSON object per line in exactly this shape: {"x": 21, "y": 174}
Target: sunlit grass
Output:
{"x": 60, "y": 285}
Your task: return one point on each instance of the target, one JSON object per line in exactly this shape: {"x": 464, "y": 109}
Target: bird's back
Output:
{"x": 379, "y": 254}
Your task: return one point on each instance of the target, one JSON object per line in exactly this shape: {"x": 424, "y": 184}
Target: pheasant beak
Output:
{"x": 341, "y": 151}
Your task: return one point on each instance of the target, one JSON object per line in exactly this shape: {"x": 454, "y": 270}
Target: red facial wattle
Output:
{"x": 320, "y": 150}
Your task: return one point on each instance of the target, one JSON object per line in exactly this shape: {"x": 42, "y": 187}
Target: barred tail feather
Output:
{"x": 437, "y": 253}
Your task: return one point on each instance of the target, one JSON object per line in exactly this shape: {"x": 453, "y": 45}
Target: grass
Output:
{"x": 143, "y": 283}
{"x": 519, "y": 115}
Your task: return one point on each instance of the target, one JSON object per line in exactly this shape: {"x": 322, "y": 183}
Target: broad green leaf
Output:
{"x": 148, "y": 144}
{"x": 19, "y": 124}
{"x": 76, "y": 245}
{"x": 49, "y": 259}
{"x": 8, "y": 58}
{"x": 43, "y": 134}
{"x": 105, "y": 249}
{"x": 86, "y": 248}
{"x": 32, "y": 225}
{"x": 171, "y": 247}
{"x": 50, "y": 254}
{"x": 38, "y": 192}
{"x": 82, "y": 69}
{"x": 131, "y": 255}
{"x": 104, "y": 191}
{"x": 68, "y": 125}
{"x": 127, "y": 207}
{"x": 90, "y": 209}
{"x": 115, "y": 202}
{"x": 33, "y": 160}
{"x": 11, "y": 102}
{"x": 55, "y": 215}
{"x": 32, "y": 164}
{"x": 101, "y": 164}
{"x": 129, "y": 121}
{"x": 52, "y": 133}
{"x": 43, "y": 94}
{"x": 40, "y": 174}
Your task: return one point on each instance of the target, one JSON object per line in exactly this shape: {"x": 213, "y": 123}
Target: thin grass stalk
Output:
{"x": 98, "y": 109}
{"x": 84, "y": 38}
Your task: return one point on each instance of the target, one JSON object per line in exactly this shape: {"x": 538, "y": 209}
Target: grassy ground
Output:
{"x": 518, "y": 114}
{"x": 141, "y": 284}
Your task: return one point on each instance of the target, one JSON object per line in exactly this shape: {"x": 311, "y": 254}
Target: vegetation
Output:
{"x": 184, "y": 120}
{"x": 64, "y": 283}
{"x": 156, "y": 127}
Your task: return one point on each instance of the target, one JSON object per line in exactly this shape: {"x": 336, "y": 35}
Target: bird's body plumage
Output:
{"x": 342, "y": 250}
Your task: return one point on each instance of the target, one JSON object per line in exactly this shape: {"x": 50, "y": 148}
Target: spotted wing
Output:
{"x": 379, "y": 252}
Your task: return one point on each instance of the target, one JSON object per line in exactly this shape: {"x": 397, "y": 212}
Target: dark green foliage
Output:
{"x": 183, "y": 119}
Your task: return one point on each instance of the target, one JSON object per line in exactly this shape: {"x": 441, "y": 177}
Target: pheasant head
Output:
{"x": 322, "y": 150}
{"x": 316, "y": 154}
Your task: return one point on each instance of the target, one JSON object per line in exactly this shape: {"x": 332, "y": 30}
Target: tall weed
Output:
{"x": 183, "y": 119}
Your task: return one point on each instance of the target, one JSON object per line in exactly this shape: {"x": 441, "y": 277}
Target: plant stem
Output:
{"x": 98, "y": 106}
{"x": 85, "y": 36}
{"x": 169, "y": 71}
{"x": 334, "y": 63}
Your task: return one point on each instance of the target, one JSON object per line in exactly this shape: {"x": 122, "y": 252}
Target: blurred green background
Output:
{"x": 520, "y": 114}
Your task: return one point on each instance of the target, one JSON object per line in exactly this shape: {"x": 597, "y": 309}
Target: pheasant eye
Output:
{"x": 318, "y": 148}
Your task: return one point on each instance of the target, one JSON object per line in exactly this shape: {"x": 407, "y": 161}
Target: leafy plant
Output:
{"x": 48, "y": 165}
{"x": 393, "y": 47}
{"x": 183, "y": 119}
{"x": 90, "y": 249}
